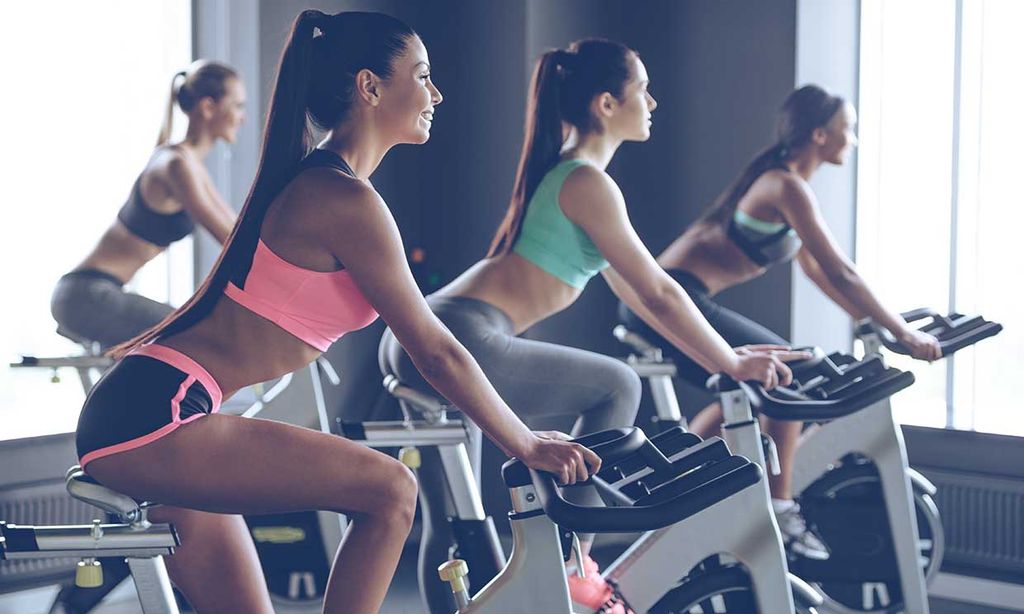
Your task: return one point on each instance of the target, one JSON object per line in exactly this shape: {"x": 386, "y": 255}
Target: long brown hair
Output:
{"x": 564, "y": 83}
{"x": 805, "y": 110}
{"x": 203, "y": 79}
{"x": 315, "y": 83}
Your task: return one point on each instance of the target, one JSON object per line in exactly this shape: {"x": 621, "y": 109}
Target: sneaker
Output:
{"x": 593, "y": 592}
{"x": 797, "y": 537}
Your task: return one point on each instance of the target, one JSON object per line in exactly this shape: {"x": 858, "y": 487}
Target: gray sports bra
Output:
{"x": 766, "y": 243}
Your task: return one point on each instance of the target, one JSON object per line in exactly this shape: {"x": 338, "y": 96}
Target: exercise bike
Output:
{"x": 673, "y": 502}
{"x": 847, "y": 503}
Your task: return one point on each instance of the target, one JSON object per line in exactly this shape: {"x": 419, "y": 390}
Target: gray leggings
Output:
{"x": 91, "y": 305}
{"x": 536, "y": 379}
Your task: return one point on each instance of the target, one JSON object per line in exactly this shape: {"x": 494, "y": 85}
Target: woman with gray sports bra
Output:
{"x": 171, "y": 194}
{"x": 767, "y": 216}
{"x": 566, "y": 222}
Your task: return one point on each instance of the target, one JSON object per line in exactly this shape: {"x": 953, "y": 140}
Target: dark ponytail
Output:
{"x": 804, "y": 111}
{"x": 564, "y": 83}
{"x": 203, "y": 79}
{"x": 315, "y": 80}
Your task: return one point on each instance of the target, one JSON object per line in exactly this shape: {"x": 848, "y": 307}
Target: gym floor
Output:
{"x": 402, "y": 598}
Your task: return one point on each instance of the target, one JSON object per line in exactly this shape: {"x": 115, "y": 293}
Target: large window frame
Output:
{"x": 965, "y": 391}
{"x": 91, "y": 89}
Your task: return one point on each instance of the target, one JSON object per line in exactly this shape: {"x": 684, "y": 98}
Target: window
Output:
{"x": 939, "y": 211}
{"x": 86, "y": 89}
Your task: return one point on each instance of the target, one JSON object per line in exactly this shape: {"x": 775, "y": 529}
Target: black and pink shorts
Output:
{"x": 145, "y": 396}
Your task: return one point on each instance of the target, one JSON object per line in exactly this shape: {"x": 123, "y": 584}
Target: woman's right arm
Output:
{"x": 592, "y": 200}
{"x": 363, "y": 235}
{"x": 836, "y": 275}
{"x": 190, "y": 186}
{"x": 814, "y": 272}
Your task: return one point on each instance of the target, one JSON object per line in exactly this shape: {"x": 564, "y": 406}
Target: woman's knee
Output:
{"x": 625, "y": 386}
{"x": 392, "y": 495}
{"x": 621, "y": 401}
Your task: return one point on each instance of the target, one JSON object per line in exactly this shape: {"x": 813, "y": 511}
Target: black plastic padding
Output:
{"x": 692, "y": 480}
{"x": 478, "y": 544}
{"x": 612, "y": 445}
{"x": 799, "y": 367}
{"x": 786, "y": 404}
{"x": 669, "y": 442}
{"x": 714, "y": 449}
{"x": 639, "y": 517}
{"x": 674, "y": 440}
{"x": 720, "y": 382}
{"x": 828, "y": 387}
{"x": 17, "y": 539}
{"x": 352, "y": 430}
{"x": 953, "y": 332}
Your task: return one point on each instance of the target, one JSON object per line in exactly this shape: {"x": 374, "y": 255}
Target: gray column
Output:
{"x": 827, "y": 54}
{"x": 228, "y": 31}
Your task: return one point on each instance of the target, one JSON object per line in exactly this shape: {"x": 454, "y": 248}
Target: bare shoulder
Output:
{"x": 587, "y": 185}
{"x": 175, "y": 164}
{"x": 336, "y": 197}
{"x": 795, "y": 195}
{"x": 782, "y": 189}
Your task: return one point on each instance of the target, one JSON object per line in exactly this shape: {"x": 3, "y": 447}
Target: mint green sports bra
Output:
{"x": 552, "y": 241}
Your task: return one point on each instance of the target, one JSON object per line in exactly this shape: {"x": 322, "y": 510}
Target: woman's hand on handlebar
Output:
{"x": 766, "y": 364}
{"x": 922, "y": 346}
{"x": 569, "y": 462}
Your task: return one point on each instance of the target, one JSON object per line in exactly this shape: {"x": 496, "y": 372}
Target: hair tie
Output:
{"x": 565, "y": 60}
{"x": 321, "y": 21}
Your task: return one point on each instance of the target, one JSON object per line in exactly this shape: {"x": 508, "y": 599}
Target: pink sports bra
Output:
{"x": 316, "y": 307}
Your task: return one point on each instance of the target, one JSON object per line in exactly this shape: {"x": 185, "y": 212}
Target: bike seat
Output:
{"x": 89, "y": 345}
{"x": 85, "y": 488}
{"x": 424, "y": 402}
{"x": 637, "y": 342}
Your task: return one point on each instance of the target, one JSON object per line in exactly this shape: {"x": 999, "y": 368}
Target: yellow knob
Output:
{"x": 55, "y": 377}
{"x": 410, "y": 457}
{"x": 454, "y": 572}
{"x": 89, "y": 574}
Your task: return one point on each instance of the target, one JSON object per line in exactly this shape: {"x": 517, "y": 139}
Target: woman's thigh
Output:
{"x": 540, "y": 379}
{"x": 234, "y": 465}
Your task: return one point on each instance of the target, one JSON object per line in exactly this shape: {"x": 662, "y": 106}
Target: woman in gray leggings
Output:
{"x": 566, "y": 222}
{"x": 171, "y": 194}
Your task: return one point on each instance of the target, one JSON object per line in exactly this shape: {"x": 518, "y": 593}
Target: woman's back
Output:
{"x": 121, "y": 250}
{"x": 707, "y": 248}
{"x": 256, "y": 331}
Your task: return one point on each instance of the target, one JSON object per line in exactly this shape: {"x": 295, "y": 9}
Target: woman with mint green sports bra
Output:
{"x": 552, "y": 242}
{"x": 566, "y": 222}
{"x": 769, "y": 216}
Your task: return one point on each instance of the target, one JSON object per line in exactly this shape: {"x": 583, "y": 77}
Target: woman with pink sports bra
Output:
{"x": 315, "y": 253}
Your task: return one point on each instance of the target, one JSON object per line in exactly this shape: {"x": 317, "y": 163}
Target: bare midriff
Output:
{"x": 120, "y": 253}
{"x": 240, "y": 348}
{"x": 525, "y": 292}
{"x": 706, "y": 251}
